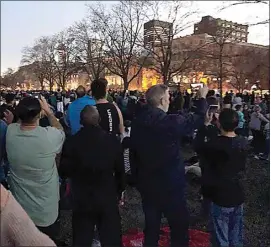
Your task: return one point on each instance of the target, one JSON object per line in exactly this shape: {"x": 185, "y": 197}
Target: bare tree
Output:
{"x": 170, "y": 57}
{"x": 64, "y": 57}
{"x": 10, "y": 78}
{"x": 40, "y": 58}
{"x": 121, "y": 30}
{"x": 261, "y": 71}
{"x": 89, "y": 48}
{"x": 241, "y": 69}
{"x": 33, "y": 56}
{"x": 219, "y": 54}
{"x": 229, "y": 4}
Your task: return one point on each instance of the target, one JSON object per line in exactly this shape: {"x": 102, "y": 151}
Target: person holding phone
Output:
{"x": 156, "y": 164}
{"x": 224, "y": 158}
{"x": 31, "y": 152}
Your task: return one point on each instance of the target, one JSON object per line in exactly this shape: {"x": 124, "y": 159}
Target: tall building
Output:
{"x": 157, "y": 32}
{"x": 222, "y": 28}
{"x": 95, "y": 47}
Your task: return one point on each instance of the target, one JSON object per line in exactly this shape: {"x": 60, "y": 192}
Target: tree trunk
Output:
{"x": 125, "y": 85}
{"x": 125, "y": 82}
{"x": 63, "y": 84}
{"x": 51, "y": 84}
{"x": 41, "y": 80}
{"x": 221, "y": 71}
{"x": 165, "y": 78}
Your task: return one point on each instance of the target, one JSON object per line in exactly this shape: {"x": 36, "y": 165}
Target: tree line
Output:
{"x": 109, "y": 40}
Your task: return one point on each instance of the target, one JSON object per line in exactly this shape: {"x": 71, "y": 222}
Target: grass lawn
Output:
{"x": 257, "y": 207}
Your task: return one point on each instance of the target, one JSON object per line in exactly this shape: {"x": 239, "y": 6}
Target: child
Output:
{"x": 225, "y": 158}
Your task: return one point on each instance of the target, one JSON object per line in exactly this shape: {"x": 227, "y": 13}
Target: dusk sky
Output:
{"x": 22, "y": 22}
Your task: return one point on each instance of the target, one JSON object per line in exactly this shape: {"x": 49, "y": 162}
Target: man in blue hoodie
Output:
{"x": 75, "y": 108}
{"x": 157, "y": 165}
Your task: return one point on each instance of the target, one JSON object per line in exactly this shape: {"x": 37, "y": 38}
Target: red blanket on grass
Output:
{"x": 134, "y": 238}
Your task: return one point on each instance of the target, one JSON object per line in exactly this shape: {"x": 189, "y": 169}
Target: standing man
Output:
{"x": 75, "y": 108}
{"x": 157, "y": 166}
{"x": 93, "y": 159}
{"x": 59, "y": 101}
{"x": 110, "y": 114}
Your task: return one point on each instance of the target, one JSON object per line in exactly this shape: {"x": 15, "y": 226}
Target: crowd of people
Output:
{"x": 80, "y": 149}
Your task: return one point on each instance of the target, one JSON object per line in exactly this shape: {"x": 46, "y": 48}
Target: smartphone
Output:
{"x": 213, "y": 108}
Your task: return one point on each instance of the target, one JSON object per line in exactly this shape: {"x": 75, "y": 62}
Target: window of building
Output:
{"x": 238, "y": 34}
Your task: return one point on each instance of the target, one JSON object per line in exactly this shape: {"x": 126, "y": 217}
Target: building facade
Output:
{"x": 157, "y": 33}
{"x": 242, "y": 63}
{"x": 222, "y": 28}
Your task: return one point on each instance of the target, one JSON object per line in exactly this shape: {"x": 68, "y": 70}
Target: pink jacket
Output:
{"x": 17, "y": 229}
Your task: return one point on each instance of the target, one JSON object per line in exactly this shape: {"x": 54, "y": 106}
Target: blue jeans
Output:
{"x": 226, "y": 226}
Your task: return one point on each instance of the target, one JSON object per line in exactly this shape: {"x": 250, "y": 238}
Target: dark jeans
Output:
{"x": 258, "y": 140}
{"x": 267, "y": 147}
{"x": 107, "y": 220}
{"x": 240, "y": 132}
{"x": 177, "y": 215}
{"x": 52, "y": 231}
{"x": 205, "y": 207}
{"x": 226, "y": 226}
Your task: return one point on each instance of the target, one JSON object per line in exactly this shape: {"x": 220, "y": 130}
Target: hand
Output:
{"x": 8, "y": 117}
{"x": 216, "y": 115}
{"x": 208, "y": 118}
{"x": 45, "y": 106}
{"x": 121, "y": 201}
{"x": 203, "y": 92}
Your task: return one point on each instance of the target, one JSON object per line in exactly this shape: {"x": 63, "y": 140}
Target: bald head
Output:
{"x": 89, "y": 116}
{"x": 80, "y": 92}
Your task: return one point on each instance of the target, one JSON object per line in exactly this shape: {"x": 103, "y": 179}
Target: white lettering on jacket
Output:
{"x": 110, "y": 120}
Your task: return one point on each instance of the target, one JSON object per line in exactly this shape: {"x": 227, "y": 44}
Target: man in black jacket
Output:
{"x": 157, "y": 165}
{"x": 94, "y": 161}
